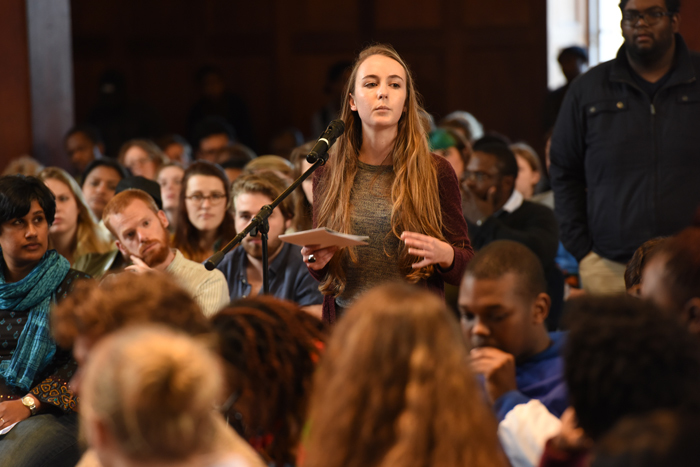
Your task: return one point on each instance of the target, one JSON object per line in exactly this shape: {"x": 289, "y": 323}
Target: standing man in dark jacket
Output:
{"x": 626, "y": 146}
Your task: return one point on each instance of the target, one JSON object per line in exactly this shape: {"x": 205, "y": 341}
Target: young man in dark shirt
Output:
{"x": 624, "y": 159}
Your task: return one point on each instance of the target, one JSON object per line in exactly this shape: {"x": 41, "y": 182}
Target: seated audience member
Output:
{"x": 212, "y": 136}
{"x": 277, "y": 164}
{"x": 142, "y": 157}
{"x": 270, "y": 348}
{"x": 465, "y": 123}
{"x": 235, "y": 159}
{"x": 283, "y": 143}
{"x": 100, "y": 180}
{"x": 83, "y": 144}
{"x": 633, "y": 272}
{"x": 23, "y": 165}
{"x": 204, "y": 222}
{"x": 623, "y": 357}
{"x": 504, "y": 304}
{"x": 451, "y": 145}
{"x": 112, "y": 261}
{"x": 661, "y": 439}
{"x": 148, "y": 396}
{"x": 142, "y": 237}
{"x": 93, "y": 312}
{"x": 495, "y": 210}
{"x": 217, "y": 101}
{"x": 233, "y": 168}
{"x": 671, "y": 277}
{"x": 170, "y": 180}
{"x": 565, "y": 260}
{"x": 394, "y": 388}
{"x": 140, "y": 183}
{"x": 35, "y": 400}
{"x": 288, "y": 274}
{"x": 529, "y": 170}
{"x": 75, "y": 231}
{"x": 336, "y": 77}
{"x": 176, "y": 149}
{"x": 304, "y": 198}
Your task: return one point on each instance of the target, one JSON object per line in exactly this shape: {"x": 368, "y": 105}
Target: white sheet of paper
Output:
{"x": 7, "y": 429}
{"x": 324, "y": 238}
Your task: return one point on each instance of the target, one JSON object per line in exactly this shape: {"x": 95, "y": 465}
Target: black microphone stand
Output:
{"x": 259, "y": 222}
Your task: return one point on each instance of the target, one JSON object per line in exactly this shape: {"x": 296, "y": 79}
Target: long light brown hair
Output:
{"x": 415, "y": 196}
{"x": 395, "y": 389}
{"x": 90, "y": 236}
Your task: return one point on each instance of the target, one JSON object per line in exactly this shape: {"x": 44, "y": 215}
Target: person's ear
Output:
{"x": 691, "y": 311}
{"x": 353, "y": 106}
{"x": 508, "y": 183}
{"x": 536, "y": 176}
{"x": 635, "y": 290}
{"x": 676, "y": 22}
{"x": 121, "y": 249}
{"x": 287, "y": 224}
{"x": 163, "y": 219}
{"x": 540, "y": 308}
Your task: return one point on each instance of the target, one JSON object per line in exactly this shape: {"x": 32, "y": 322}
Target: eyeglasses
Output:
{"x": 477, "y": 176}
{"x": 631, "y": 17}
{"x": 214, "y": 198}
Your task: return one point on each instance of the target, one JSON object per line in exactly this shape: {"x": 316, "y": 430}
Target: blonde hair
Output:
{"x": 154, "y": 391}
{"x": 90, "y": 237}
{"x": 23, "y": 165}
{"x": 414, "y": 194}
{"x": 394, "y": 388}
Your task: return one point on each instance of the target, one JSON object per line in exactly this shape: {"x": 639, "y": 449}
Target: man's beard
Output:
{"x": 649, "y": 55}
{"x": 254, "y": 250}
{"x": 158, "y": 254}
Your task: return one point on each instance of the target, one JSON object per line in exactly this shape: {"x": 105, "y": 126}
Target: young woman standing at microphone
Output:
{"x": 382, "y": 181}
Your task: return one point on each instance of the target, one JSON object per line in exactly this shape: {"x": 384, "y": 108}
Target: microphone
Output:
{"x": 334, "y": 130}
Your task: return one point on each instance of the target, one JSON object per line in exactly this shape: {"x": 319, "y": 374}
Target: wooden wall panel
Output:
{"x": 15, "y": 110}
{"x": 51, "y": 78}
{"x": 485, "y": 57}
{"x": 690, "y": 23}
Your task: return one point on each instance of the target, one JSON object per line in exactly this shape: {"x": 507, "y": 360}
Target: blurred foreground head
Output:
{"x": 395, "y": 388}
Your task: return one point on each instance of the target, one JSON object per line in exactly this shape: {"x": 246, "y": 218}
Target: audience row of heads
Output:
{"x": 453, "y": 140}
{"x": 387, "y": 379}
{"x": 153, "y": 371}
{"x": 215, "y": 141}
{"x": 197, "y": 203}
{"x": 389, "y": 375}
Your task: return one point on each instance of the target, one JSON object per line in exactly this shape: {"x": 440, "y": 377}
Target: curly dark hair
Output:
{"x": 681, "y": 255}
{"x": 662, "y": 438}
{"x": 272, "y": 347}
{"x": 624, "y": 357}
{"x": 633, "y": 272}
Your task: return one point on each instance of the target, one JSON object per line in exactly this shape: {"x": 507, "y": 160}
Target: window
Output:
{"x": 591, "y": 23}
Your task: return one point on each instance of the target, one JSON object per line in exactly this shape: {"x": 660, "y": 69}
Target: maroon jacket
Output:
{"x": 454, "y": 230}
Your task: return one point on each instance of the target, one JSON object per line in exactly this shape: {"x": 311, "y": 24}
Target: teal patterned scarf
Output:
{"x": 35, "y": 347}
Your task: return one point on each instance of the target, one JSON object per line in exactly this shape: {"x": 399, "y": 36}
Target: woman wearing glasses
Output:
{"x": 382, "y": 181}
{"x": 204, "y": 223}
